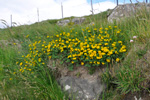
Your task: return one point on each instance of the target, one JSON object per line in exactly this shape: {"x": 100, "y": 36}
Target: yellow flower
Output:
{"x": 117, "y": 59}
{"x": 103, "y": 53}
{"x": 101, "y": 31}
{"x": 113, "y": 45}
{"x": 74, "y": 58}
{"x": 69, "y": 56}
{"x": 47, "y": 36}
{"x": 106, "y": 28}
{"x": 57, "y": 35}
{"x": 109, "y": 26}
{"x": 72, "y": 62}
{"x": 50, "y": 57}
{"x": 44, "y": 41}
{"x": 106, "y": 43}
{"x": 118, "y": 31}
{"x": 108, "y": 60}
{"x": 27, "y": 36}
{"x": 14, "y": 43}
{"x": 22, "y": 55}
{"x": 120, "y": 42}
{"x": 103, "y": 63}
{"x": 85, "y": 54}
{"x": 17, "y": 62}
{"x": 39, "y": 41}
{"x": 95, "y": 29}
{"x": 39, "y": 59}
{"x": 89, "y": 31}
{"x": 116, "y": 52}
{"x": 42, "y": 45}
{"x": 109, "y": 53}
{"x": 87, "y": 28}
{"x": 98, "y": 57}
{"x": 21, "y": 64}
{"x": 98, "y": 47}
{"x": 10, "y": 79}
{"x": 21, "y": 70}
{"x": 98, "y": 63}
{"x": 82, "y": 63}
{"x": 67, "y": 41}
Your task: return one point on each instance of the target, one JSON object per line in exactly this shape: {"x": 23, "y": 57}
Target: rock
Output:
{"x": 81, "y": 89}
{"x": 63, "y": 22}
{"x": 78, "y": 81}
{"x": 74, "y": 20}
{"x": 78, "y": 20}
{"x": 126, "y": 10}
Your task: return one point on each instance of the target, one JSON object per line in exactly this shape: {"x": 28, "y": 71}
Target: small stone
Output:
{"x": 67, "y": 87}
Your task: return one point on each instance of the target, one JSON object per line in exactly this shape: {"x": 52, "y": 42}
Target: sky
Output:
{"x": 25, "y": 11}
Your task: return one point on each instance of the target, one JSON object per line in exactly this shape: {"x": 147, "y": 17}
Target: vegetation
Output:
{"x": 122, "y": 47}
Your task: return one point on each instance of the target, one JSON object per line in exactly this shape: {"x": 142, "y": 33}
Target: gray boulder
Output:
{"x": 126, "y": 10}
{"x": 79, "y": 84}
{"x": 74, "y": 20}
{"x": 63, "y": 22}
{"x": 81, "y": 89}
{"x": 78, "y": 20}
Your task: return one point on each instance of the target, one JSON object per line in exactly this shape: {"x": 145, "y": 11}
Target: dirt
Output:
{"x": 78, "y": 71}
{"x": 136, "y": 96}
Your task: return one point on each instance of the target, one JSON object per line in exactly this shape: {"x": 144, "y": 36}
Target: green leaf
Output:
{"x": 61, "y": 62}
{"x": 87, "y": 65}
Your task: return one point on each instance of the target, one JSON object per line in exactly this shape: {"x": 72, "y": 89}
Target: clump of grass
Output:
{"x": 128, "y": 79}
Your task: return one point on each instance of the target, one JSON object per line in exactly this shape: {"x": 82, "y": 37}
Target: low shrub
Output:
{"x": 94, "y": 48}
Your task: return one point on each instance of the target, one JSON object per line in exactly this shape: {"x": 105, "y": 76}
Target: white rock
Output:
{"x": 67, "y": 87}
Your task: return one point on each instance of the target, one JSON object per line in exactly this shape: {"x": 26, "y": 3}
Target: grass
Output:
{"x": 23, "y": 69}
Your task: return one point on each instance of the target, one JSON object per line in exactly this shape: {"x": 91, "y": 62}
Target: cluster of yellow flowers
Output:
{"x": 96, "y": 47}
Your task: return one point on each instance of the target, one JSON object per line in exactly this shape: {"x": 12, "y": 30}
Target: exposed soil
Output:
{"x": 78, "y": 71}
{"x": 137, "y": 96}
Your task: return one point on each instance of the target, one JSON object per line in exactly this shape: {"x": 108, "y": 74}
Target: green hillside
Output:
{"x": 122, "y": 47}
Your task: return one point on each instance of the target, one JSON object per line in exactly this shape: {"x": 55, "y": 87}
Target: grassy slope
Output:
{"x": 26, "y": 89}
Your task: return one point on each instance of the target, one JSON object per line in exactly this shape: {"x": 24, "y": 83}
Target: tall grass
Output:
{"x": 25, "y": 86}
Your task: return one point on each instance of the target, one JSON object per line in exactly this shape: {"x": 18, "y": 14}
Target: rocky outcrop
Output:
{"x": 63, "y": 22}
{"x": 78, "y": 20}
{"x": 81, "y": 89}
{"x": 126, "y": 10}
{"x": 74, "y": 21}
{"x": 79, "y": 84}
